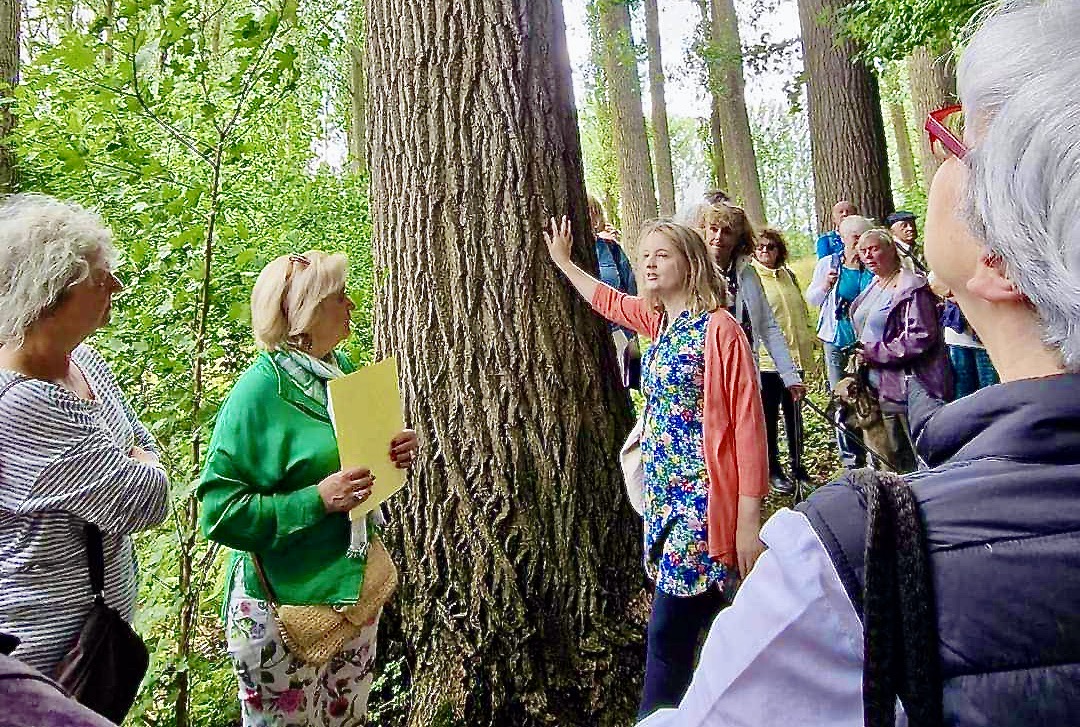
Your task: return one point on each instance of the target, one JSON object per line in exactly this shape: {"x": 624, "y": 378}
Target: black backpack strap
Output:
{"x": 870, "y": 525}
{"x": 95, "y": 560}
{"x": 900, "y": 640}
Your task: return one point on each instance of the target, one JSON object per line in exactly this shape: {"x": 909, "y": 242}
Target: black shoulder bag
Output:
{"x": 104, "y": 669}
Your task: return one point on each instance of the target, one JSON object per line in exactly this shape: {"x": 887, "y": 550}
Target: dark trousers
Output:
{"x": 676, "y": 626}
{"x": 774, "y": 397}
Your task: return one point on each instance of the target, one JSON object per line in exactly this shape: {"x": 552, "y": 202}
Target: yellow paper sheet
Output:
{"x": 366, "y": 408}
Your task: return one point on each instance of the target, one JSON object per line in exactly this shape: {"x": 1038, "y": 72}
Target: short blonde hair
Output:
{"x": 883, "y": 237}
{"x": 287, "y": 295}
{"x": 706, "y": 289}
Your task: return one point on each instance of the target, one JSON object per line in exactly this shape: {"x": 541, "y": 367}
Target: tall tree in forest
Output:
{"x": 932, "y": 75}
{"x": 847, "y": 132}
{"x": 637, "y": 194}
{"x": 357, "y": 117}
{"x": 708, "y": 39}
{"x": 10, "y": 12}
{"x": 739, "y": 156}
{"x": 519, "y": 556}
{"x": 665, "y": 179}
{"x": 894, "y": 101}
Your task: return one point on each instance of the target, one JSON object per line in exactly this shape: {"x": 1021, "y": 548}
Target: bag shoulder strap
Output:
{"x": 95, "y": 560}
{"x": 263, "y": 580}
{"x": 11, "y": 384}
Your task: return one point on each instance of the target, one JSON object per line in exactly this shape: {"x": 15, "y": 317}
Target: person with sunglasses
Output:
{"x": 997, "y": 512}
{"x": 789, "y": 308}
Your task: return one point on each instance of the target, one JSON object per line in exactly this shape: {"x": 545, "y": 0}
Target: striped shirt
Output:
{"x": 64, "y": 461}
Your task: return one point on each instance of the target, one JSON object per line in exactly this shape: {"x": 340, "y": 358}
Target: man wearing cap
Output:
{"x": 905, "y": 232}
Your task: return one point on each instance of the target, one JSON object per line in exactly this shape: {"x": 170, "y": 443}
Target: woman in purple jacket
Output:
{"x": 896, "y": 321}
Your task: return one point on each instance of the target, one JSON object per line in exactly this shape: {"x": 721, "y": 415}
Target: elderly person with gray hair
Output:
{"x": 274, "y": 491}
{"x": 998, "y": 509}
{"x": 74, "y": 453}
{"x": 839, "y": 278}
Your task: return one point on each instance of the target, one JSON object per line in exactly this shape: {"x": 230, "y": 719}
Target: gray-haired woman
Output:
{"x": 73, "y": 451}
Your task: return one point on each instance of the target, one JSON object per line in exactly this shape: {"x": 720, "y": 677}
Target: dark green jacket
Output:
{"x": 272, "y": 445}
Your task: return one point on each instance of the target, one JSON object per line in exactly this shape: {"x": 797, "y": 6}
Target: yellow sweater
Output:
{"x": 789, "y": 307}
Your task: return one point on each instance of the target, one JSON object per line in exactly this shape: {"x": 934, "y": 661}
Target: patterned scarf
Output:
{"x": 311, "y": 375}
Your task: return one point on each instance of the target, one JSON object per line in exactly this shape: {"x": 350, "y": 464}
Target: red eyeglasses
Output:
{"x": 945, "y": 127}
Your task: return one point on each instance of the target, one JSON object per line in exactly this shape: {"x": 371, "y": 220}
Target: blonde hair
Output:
{"x": 287, "y": 295}
{"x": 706, "y": 289}
{"x": 733, "y": 216}
{"x": 884, "y": 238}
{"x": 597, "y": 218}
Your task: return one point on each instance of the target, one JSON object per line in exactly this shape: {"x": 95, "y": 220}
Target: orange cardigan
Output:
{"x": 736, "y": 455}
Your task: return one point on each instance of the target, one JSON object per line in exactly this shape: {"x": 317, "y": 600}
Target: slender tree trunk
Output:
{"x": 712, "y": 73}
{"x": 636, "y": 191}
{"x": 903, "y": 144}
{"x": 665, "y": 177}
{"x": 739, "y": 153}
{"x": 108, "y": 32}
{"x": 932, "y": 75}
{"x": 357, "y": 111}
{"x": 847, "y": 132}
{"x": 519, "y": 556}
{"x": 716, "y": 145}
{"x": 10, "y": 13}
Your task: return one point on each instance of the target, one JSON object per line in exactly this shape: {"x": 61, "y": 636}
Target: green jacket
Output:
{"x": 272, "y": 445}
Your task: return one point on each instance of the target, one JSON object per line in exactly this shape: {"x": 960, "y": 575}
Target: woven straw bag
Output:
{"x": 316, "y": 633}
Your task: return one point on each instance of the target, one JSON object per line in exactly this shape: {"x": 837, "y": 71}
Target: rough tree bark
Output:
{"x": 519, "y": 556}
{"x": 665, "y": 177}
{"x": 10, "y": 12}
{"x": 739, "y": 156}
{"x": 636, "y": 190}
{"x": 847, "y": 134}
{"x": 932, "y": 74}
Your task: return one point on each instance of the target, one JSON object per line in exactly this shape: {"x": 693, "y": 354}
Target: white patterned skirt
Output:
{"x": 278, "y": 689}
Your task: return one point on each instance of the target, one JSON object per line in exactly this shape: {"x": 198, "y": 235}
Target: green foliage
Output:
{"x": 195, "y": 145}
{"x": 782, "y": 141}
{"x": 891, "y": 29}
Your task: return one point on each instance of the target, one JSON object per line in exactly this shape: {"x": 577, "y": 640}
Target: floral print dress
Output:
{"x": 277, "y": 689}
{"x": 673, "y": 459}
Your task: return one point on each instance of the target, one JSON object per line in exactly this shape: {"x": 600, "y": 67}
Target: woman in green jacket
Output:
{"x": 273, "y": 486}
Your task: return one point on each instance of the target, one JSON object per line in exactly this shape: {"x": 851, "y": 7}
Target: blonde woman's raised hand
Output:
{"x": 559, "y": 241}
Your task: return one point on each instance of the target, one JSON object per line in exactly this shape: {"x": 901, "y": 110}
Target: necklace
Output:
{"x": 889, "y": 281}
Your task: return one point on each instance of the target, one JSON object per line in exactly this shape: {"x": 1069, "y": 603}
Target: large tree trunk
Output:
{"x": 519, "y": 555}
{"x": 665, "y": 177}
{"x": 932, "y": 74}
{"x": 10, "y": 12}
{"x": 636, "y": 190}
{"x": 847, "y": 132}
{"x": 739, "y": 156}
